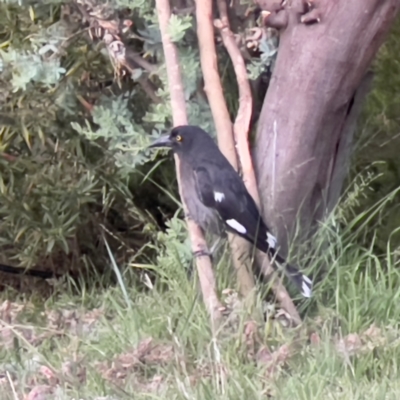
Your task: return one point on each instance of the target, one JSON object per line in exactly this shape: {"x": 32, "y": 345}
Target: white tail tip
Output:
{"x": 306, "y": 287}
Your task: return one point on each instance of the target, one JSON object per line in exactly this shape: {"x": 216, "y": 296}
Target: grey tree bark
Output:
{"x": 304, "y": 134}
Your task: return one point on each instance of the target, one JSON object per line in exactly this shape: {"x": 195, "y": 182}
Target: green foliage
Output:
{"x": 25, "y": 3}
{"x": 174, "y": 249}
{"x": 383, "y": 103}
{"x": 39, "y": 62}
{"x": 145, "y": 8}
{"x": 198, "y": 110}
{"x": 59, "y": 192}
{"x": 152, "y": 44}
{"x": 125, "y": 138}
{"x": 52, "y": 199}
{"x": 379, "y": 139}
{"x": 31, "y": 67}
{"x": 178, "y": 25}
{"x": 73, "y": 170}
{"x": 268, "y": 48}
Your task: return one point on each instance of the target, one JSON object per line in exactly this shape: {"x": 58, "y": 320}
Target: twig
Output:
{"x": 149, "y": 89}
{"x": 223, "y": 124}
{"x": 241, "y": 129}
{"x": 243, "y": 117}
{"x": 12, "y": 386}
{"x": 212, "y": 81}
{"x": 36, "y": 273}
{"x": 136, "y": 58}
{"x": 178, "y": 105}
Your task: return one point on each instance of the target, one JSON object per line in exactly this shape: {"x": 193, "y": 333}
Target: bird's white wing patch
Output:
{"x": 218, "y": 196}
{"x": 271, "y": 239}
{"x": 236, "y": 226}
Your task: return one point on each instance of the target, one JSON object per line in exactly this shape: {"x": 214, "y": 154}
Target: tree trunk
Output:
{"x": 307, "y": 120}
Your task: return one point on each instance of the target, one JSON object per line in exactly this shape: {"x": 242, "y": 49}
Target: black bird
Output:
{"x": 217, "y": 198}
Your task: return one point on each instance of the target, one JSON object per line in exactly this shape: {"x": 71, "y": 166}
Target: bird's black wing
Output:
{"x": 225, "y": 192}
{"x": 204, "y": 187}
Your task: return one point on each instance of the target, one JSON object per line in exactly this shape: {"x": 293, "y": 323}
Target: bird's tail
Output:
{"x": 302, "y": 282}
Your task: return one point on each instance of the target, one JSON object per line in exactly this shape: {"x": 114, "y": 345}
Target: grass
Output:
{"x": 155, "y": 342}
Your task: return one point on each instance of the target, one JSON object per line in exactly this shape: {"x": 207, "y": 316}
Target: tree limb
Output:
{"x": 243, "y": 117}
{"x": 178, "y": 105}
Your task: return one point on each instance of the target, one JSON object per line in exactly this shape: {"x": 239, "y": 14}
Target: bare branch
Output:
{"x": 133, "y": 57}
{"x": 243, "y": 117}
{"x": 204, "y": 267}
{"x": 212, "y": 81}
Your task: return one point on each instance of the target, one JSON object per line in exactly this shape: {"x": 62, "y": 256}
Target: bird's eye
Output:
{"x": 178, "y": 138}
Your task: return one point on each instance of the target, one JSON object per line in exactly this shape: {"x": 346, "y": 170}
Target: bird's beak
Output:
{"x": 162, "y": 141}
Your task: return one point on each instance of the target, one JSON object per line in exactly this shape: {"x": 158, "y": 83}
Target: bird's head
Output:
{"x": 183, "y": 139}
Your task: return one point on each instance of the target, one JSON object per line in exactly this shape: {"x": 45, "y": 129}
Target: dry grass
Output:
{"x": 95, "y": 347}
{"x": 128, "y": 343}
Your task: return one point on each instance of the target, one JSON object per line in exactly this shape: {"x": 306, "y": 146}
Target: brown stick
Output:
{"x": 212, "y": 81}
{"x": 204, "y": 267}
{"x": 243, "y": 117}
{"x": 223, "y": 124}
{"x": 241, "y": 129}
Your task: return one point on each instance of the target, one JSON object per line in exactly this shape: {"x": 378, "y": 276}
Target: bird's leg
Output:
{"x": 209, "y": 253}
{"x": 202, "y": 253}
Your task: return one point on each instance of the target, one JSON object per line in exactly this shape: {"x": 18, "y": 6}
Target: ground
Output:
{"x": 155, "y": 342}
